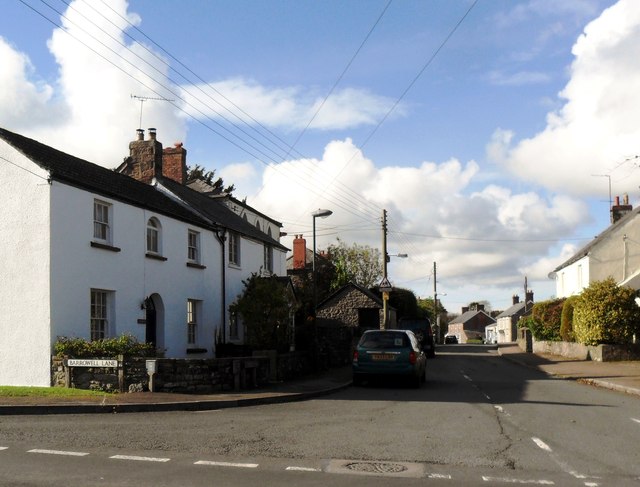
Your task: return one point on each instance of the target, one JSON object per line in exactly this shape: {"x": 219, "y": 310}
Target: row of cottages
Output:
{"x": 471, "y": 324}
{"x": 93, "y": 253}
{"x": 505, "y": 329}
{"x": 613, "y": 253}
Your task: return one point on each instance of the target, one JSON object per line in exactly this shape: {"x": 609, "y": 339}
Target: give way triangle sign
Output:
{"x": 385, "y": 285}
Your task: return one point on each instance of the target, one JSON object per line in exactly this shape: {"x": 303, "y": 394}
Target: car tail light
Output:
{"x": 355, "y": 357}
{"x": 412, "y": 357}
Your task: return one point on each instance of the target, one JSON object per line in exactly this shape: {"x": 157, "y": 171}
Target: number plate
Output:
{"x": 383, "y": 356}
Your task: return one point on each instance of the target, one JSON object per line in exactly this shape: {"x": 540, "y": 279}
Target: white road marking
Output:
{"x": 636, "y": 420}
{"x": 542, "y": 444}
{"x": 139, "y": 459}
{"x": 59, "y": 452}
{"x": 438, "y": 476}
{"x": 303, "y": 469}
{"x": 226, "y": 464}
{"x": 467, "y": 377}
{"x": 591, "y": 484}
{"x": 517, "y": 481}
{"x": 4, "y": 447}
{"x": 499, "y": 408}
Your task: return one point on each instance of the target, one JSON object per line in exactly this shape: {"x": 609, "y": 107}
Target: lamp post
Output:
{"x": 319, "y": 213}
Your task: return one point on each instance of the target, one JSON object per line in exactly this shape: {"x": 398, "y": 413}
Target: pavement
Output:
{"x": 619, "y": 376}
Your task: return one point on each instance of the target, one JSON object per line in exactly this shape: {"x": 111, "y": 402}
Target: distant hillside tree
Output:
{"x": 355, "y": 263}
{"x": 198, "y": 172}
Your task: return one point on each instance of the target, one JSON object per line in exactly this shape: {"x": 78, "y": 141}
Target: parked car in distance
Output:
{"x": 385, "y": 353}
{"x": 450, "y": 339}
{"x": 421, "y": 327}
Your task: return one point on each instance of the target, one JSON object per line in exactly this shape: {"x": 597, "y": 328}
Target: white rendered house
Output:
{"x": 91, "y": 253}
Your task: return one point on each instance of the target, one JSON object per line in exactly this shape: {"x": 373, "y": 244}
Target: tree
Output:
{"x": 198, "y": 172}
{"x": 606, "y": 313}
{"x": 265, "y": 306}
{"x": 359, "y": 264}
{"x": 425, "y": 305}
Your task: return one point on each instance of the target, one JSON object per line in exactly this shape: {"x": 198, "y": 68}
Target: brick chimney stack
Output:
{"x": 299, "y": 252}
{"x": 529, "y": 297}
{"x": 515, "y": 299}
{"x": 174, "y": 163}
{"x": 619, "y": 210}
{"x": 145, "y": 157}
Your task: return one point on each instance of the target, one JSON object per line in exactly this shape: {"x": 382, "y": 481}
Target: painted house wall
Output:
{"x": 571, "y": 280}
{"x": 129, "y": 275}
{"x": 24, "y": 271}
{"x": 617, "y": 255}
{"x": 251, "y": 262}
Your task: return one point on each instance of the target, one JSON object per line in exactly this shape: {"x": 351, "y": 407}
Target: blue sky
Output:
{"x": 478, "y": 126}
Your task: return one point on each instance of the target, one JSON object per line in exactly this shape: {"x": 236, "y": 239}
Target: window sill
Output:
{"x": 103, "y": 246}
{"x": 193, "y": 265}
{"x": 233, "y": 265}
{"x": 196, "y": 350}
{"x": 149, "y": 255}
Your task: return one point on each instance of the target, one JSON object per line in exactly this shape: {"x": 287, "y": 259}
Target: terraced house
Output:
{"x": 91, "y": 252}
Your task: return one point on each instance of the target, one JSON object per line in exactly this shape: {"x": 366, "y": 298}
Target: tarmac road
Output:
{"x": 478, "y": 417}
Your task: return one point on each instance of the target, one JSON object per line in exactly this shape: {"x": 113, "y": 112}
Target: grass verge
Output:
{"x": 17, "y": 391}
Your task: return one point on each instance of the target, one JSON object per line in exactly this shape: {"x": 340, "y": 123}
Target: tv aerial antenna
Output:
{"x": 146, "y": 98}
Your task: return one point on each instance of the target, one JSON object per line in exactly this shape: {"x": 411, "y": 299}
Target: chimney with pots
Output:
{"x": 174, "y": 163}
{"x": 299, "y": 252}
{"x": 145, "y": 157}
{"x": 619, "y": 210}
{"x": 529, "y": 297}
{"x": 515, "y": 299}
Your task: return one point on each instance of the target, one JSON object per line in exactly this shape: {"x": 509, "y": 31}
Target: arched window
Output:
{"x": 154, "y": 236}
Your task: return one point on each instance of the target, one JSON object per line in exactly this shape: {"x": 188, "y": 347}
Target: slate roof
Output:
{"x": 584, "y": 251}
{"x": 514, "y": 310}
{"x": 218, "y": 212}
{"x": 468, "y": 316}
{"x": 85, "y": 175}
{"x": 340, "y": 291}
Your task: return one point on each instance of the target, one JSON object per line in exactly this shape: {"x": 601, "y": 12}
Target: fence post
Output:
{"x": 121, "y": 381}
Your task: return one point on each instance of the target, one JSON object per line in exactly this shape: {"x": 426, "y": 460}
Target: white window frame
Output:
{"x": 101, "y": 302}
{"x": 234, "y": 248}
{"x": 102, "y": 217}
{"x": 193, "y": 314}
{"x": 193, "y": 246}
{"x": 154, "y": 236}
{"x": 268, "y": 259}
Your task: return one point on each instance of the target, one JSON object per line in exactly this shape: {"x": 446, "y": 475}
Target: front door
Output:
{"x": 150, "y": 335}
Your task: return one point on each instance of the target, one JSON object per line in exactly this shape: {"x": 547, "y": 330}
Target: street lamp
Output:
{"x": 319, "y": 213}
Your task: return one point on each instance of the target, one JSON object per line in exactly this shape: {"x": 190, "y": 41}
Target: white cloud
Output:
{"x": 289, "y": 108}
{"x": 493, "y": 234}
{"x": 518, "y": 79}
{"x": 599, "y": 124}
{"x": 23, "y": 100}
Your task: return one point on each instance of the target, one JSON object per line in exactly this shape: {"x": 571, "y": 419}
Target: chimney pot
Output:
{"x": 140, "y": 133}
{"x": 152, "y": 133}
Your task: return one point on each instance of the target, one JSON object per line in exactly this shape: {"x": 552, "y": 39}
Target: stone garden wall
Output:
{"x": 197, "y": 376}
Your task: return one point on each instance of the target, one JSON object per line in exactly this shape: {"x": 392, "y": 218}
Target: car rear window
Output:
{"x": 384, "y": 340}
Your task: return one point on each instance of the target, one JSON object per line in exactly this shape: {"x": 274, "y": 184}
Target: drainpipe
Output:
{"x": 221, "y": 235}
{"x": 625, "y": 262}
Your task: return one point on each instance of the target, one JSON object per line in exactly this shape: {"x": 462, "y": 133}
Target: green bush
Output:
{"x": 544, "y": 322}
{"x": 566, "y": 319}
{"x": 107, "y": 347}
{"x": 606, "y": 313}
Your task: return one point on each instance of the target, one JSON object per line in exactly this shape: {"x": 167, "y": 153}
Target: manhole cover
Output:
{"x": 372, "y": 467}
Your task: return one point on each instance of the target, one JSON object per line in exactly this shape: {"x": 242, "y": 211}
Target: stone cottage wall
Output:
{"x": 344, "y": 311}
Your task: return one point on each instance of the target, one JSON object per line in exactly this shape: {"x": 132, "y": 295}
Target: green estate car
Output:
{"x": 383, "y": 353}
